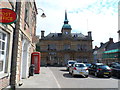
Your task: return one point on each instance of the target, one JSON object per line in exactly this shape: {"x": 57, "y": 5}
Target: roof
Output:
{"x": 60, "y": 36}
{"x": 103, "y": 46}
{"x": 66, "y": 26}
{"x": 114, "y": 46}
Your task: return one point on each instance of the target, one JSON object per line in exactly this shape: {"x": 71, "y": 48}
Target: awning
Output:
{"x": 112, "y": 51}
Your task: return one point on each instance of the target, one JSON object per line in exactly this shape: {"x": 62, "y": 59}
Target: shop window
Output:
{"x": 3, "y": 43}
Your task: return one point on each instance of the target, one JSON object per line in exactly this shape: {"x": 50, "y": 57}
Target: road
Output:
{"x": 65, "y": 80}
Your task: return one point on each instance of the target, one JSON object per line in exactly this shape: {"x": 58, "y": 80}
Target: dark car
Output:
{"x": 114, "y": 64}
{"x": 99, "y": 69}
{"x": 116, "y": 71}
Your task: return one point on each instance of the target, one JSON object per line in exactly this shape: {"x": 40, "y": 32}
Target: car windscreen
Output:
{"x": 88, "y": 65}
{"x": 71, "y": 62}
{"x": 104, "y": 67}
{"x": 79, "y": 65}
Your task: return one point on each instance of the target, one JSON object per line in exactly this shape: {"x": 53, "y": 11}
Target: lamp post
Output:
{"x": 43, "y": 14}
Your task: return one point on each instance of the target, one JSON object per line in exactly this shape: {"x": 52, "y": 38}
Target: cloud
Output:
{"x": 98, "y": 16}
{"x": 99, "y": 6}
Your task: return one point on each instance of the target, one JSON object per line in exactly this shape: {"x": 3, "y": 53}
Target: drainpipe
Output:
{"x": 15, "y": 48}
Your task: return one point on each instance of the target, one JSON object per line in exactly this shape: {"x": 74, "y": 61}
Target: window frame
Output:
{"x": 4, "y": 50}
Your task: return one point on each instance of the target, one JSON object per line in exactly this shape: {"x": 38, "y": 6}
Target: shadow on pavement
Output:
{"x": 67, "y": 75}
{"x": 63, "y": 70}
{"x": 92, "y": 76}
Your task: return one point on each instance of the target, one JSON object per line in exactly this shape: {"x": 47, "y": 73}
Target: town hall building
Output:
{"x": 58, "y": 48}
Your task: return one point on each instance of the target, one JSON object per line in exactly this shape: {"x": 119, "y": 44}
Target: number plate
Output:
{"x": 81, "y": 72}
{"x": 106, "y": 73}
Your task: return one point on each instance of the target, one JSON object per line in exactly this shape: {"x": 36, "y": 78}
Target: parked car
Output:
{"x": 88, "y": 64}
{"x": 79, "y": 69}
{"x": 114, "y": 64}
{"x": 69, "y": 63}
{"x": 116, "y": 71}
{"x": 99, "y": 69}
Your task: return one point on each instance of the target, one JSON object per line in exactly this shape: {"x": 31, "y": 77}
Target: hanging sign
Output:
{"x": 7, "y": 16}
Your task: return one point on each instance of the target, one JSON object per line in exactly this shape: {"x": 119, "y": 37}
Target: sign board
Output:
{"x": 7, "y": 16}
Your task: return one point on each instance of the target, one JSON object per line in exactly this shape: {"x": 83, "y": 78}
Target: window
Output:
{"x": 3, "y": 43}
{"x": 27, "y": 13}
{"x": 67, "y": 47}
{"x": 79, "y": 47}
{"x": 51, "y": 47}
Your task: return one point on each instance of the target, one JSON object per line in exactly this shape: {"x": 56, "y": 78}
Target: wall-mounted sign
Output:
{"x": 7, "y": 16}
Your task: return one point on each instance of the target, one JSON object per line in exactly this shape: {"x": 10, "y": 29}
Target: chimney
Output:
{"x": 42, "y": 34}
{"x": 111, "y": 40}
{"x": 101, "y": 43}
{"x": 96, "y": 47}
{"x": 118, "y": 35}
{"x": 89, "y": 34}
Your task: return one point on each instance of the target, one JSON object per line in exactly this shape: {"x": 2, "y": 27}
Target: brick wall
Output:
{"x": 4, "y": 82}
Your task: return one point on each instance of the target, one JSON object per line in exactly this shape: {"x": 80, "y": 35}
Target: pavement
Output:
{"x": 45, "y": 79}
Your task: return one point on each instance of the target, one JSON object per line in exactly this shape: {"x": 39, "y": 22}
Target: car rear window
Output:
{"x": 71, "y": 62}
{"x": 104, "y": 67}
{"x": 79, "y": 65}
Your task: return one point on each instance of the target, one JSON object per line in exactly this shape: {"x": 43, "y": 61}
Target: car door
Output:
{"x": 94, "y": 69}
{"x": 71, "y": 68}
{"x": 91, "y": 69}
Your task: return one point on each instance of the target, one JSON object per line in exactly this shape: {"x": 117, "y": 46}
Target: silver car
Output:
{"x": 70, "y": 62}
{"x": 79, "y": 69}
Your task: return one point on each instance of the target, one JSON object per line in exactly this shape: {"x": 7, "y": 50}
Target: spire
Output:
{"x": 66, "y": 26}
{"x": 66, "y": 20}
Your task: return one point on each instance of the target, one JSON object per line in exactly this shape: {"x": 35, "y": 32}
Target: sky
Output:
{"x": 98, "y": 16}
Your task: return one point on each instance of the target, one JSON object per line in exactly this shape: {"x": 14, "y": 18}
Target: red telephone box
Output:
{"x": 36, "y": 61}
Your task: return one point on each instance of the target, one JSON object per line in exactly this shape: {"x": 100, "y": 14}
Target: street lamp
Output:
{"x": 43, "y": 14}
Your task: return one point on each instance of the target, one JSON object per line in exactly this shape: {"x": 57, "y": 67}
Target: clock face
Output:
{"x": 66, "y": 32}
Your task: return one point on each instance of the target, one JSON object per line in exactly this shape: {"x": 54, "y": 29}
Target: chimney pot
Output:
{"x": 42, "y": 33}
{"x": 101, "y": 43}
{"x": 89, "y": 34}
{"x": 111, "y": 40}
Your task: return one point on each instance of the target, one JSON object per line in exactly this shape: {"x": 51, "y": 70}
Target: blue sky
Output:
{"x": 98, "y": 16}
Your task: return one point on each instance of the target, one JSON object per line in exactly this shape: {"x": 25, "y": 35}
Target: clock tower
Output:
{"x": 66, "y": 28}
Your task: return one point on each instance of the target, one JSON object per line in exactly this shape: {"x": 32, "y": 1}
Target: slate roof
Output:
{"x": 60, "y": 36}
{"x": 114, "y": 46}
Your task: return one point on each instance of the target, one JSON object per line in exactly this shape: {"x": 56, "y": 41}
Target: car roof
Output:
{"x": 97, "y": 63}
{"x": 72, "y": 61}
{"x": 79, "y": 63}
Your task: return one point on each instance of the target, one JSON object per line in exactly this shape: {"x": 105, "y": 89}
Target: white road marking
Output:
{"x": 55, "y": 79}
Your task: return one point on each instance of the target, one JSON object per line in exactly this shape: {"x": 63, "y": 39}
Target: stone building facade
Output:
{"x": 15, "y": 70}
{"x": 58, "y": 48}
{"x": 112, "y": 53}
{"x": 108, "y": 52}
{"x": 98, "y": 51}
